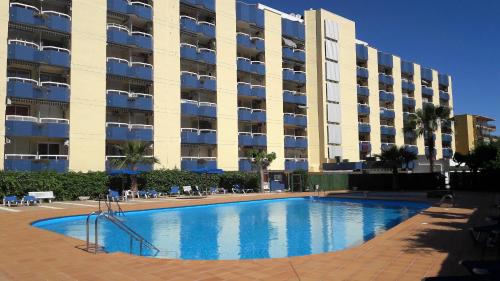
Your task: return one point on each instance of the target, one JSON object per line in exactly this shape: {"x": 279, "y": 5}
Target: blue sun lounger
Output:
{"x": 11, "y": 201}
{"x": 28, "y": 199}
{"x": 174, "y": 190}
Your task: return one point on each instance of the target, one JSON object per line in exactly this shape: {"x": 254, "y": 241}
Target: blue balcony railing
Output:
{"x": 427, "y": 91}
{"x": 362, "y": 72}
{"x": 193, "y": 81}
{"x": 249, "y": 90}
{"x": 412, "y": 149}
{"x": 28, "y": 126}
{"x": 385, "y": 59}
{"x": 444, "y": 95}
{"x": 293, "y": 29}
{"x": 255, "y": 67}
{"x": 408, "y": 85}
{"x": 202, "y": 109}
{"x": 119, "y": 34}
{"x": 388, "y": 130}
{"x": 31, "y": 52}
{"x": 122, "y": 67}
{"x": 407, "y": 67}
{"x": 249, "y": 13}
{"x": 245, "y": 165}
{"x": 447, "y": 153}
{"x": 386, "y": 146}
{"x": 364, "y": 128}
{"x": 252, "y": 139}
{"x": 427, "y": 151}
{"x": 293, "y": 164}
{"x": 31, "y": 89}
{"x": 294, "y": 54}
{"x": 294, "y": 97}
{"x": 296, "y": 142}
{"x": 408, "y": 101}
{"x": 443, "y": 80}
{"x": 139, "y": 9}
{"x": 202, "y": 4}
{"x": 365, "y": 146}
{"x": 294, "y": 76}
{"x": 251, "y": 115}
{"x": 246, "y": 41}
{"x": 36, "y": 163}
{"x": 129, "y": 132}
{"x": 198, "y": 136}
{"x": 123, "y": 99}
{"x": 189, "y": 24}
{"x": 446, "y": 137}
{"x": 361, "y": 52}
{"x": 138, "y": 167}
{"x": 386, "y": 96}
{"x": 363, "y": 109}
{"x": 426, "y": 74}
{"x": 203, "y": 55}
{"x": 292, "y": 119}
{"x": 29, "y": 15}
{"x": 196, "y": 163}
{"x": 363, "y": 91}
{"x": 385, "y": 79}
{"x": 386, "y": 113}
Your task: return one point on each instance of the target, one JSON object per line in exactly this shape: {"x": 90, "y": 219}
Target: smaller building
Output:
{"x": 471, "y": 130}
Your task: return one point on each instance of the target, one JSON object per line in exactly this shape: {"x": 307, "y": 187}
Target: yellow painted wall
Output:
{"x": 417, "y": 80}
{"x": 88, "y": 86}
{"x": 167, "y": 96}
{"x": 4, "y": 28}
{"x": 464, "y": 133}
{"x": 274, "y": 89}
{"x": 374, "y": 100}
{"x": 314, "y": 88}
{"x": 227, "y": 96}
{"x": 398, "y": 101}
{"x": 435, "y": 99}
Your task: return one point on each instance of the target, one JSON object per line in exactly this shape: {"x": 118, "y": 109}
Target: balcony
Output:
{"x": 363, "y": 91}
{"x": 122, "y": 67}
{"x": 290, "y": 75}
{"x": 446, "y": 137}
{"x": 409, "y": 101}
{"x": 254, "y": 67}
{"x": 387, "y": 130}
{"x": 386, "y": 113}
{"x": 252, "y": 139}
{"x": 427, "y": 91}
{"x": 293, "y": 29}
{"x": 363, "y": 109}
{"x": 31, "y": 52}
{"x": 200, "y": 109}
{"x": 292, "y": 119}
{"x": 361, "y": 52}
{"x": 386, "y": 96}
{"x": 249, "y": 90}
{"x": 293, "y": 164}
{"x": 365, "y": 146}
{"x": 198, "y": 136}
{"x": 29, "y": 15}
{"x": 295, "y": 142}
{"x": 201, "y": 28}
{"x": 362, "y": 72}
{"x": 427, "y": 152}
{"x": 408, "y": 85}
{"x": 385, "y": 59}
{"x": 364, "y": 128}
{"x": 196, "y": 163}
{"x": 31, "y": 89}
{"x": 294, "y": 54}
{"x": 193, "y": 81}
{"x": 444, "y": 95}
{"x": 246, "y": 41}
{"x": 447, "y": 153}
{"x": 407, "y": 67}
{"x": 411, "y": 148}
{"x": 385, "y": 79}
{"x": 139, "y": 167}
{"x": 203, "y": 55}
{"x": 251, "y": 115}
{"x": 129, "y": 132}
{"x": 138, "y": 9}
{"x": 250, "y": 14}
{"x": 36, "y": 163}
{"x": 426, "y": 74}
{"x": 386, "y": 146}
{"x": 28, "y": 126}
{"x": 123, "y": 99}
{"x": 245, "y": 164}
{"x": 444, "y": 80}
{"x": 119, "y": 34}
{"x": 201, "y": 4}
{"x": 294, "y": 97}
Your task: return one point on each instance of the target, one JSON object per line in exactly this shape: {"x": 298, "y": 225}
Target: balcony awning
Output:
{"x": 289, "y": 43}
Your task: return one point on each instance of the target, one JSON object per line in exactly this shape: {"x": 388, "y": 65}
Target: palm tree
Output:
{"x": 261, "y": 160}
{"x": 425, "y": 123}
{"x": 407, "y": 156}
{"x": 392, "y": 158}
{"x": 134, "y": 153}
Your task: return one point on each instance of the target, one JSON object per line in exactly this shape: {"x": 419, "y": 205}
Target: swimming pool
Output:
{"x": 248, "y": 230}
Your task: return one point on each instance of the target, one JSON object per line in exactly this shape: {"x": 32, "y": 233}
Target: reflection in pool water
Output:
{"x": 247, "y": 230}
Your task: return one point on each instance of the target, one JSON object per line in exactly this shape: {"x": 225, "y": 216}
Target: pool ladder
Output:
{"x": 110, "y": 216}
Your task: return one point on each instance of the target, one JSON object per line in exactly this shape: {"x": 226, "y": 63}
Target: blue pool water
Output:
{"x": 248, "y": 230}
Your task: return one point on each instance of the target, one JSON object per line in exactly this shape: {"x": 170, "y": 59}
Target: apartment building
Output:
{"x": 471, "y": 130}
{"x": 203, "y": 82}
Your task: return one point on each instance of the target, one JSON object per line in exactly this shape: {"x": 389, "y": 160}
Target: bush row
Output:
{"x": 71, "y": 185}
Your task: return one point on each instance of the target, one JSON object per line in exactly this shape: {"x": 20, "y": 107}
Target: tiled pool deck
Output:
{"x": 428, "y": 244}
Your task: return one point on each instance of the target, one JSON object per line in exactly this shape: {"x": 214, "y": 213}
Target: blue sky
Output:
{"x": 458, "y": 37}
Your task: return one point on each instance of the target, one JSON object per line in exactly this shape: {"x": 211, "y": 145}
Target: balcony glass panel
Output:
{"x": 36, "y": 163}
{"x": 250, "y": 13}
{"x": 364, "y": 128}
{"x": 362, "y": 72}
{"x": 427, "y": 91}
{"x": 245, "y": 165}
{"x": 388, "y": 130}
{"x": 363, "y": 109}
{"x": 444, "y": 95}
{"x": 203, "y": 4}
{"x": 27, "y": 126}
{"x": 407, "y": 67}
{"x": 293, "y": 29}
{"x": 30, "y": 15}
{"x": 386, "y": 113}
{"x": 361, "y": 52}
{"x": 386, "y": 96}
{"x": 295, "y": 120}
{"x": 129, "y": 132}
{"x": 426, "y": 74}
{"x": 385, "y": 59}
{"x": 194, "y": 163}
{"x": 122, "y": 99}
{"x": 409, "y": 101}
{"x": 408, "y": 85}
{"x": 363, "y": 91}
{"x": 296, "y": 164}
{"x": 444, "y": 80}
{"x": 31, "y": 89}
{"x": 385, "y": 79}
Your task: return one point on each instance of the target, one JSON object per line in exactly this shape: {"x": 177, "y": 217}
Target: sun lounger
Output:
{"x": 153, "y": 193}
{"x": 142, "y": 193}
{"x": 215, "y": 190}
{"x": 485, "y": 267}
{"x": 27, "y": 200}
{"x": 41, "y": 195}
{"x": 114, "y": 195}
{"x": 187, "y": 189}
{"x": 238, "y": 189}
{"x": 11, "y": 201}
{"x": 174, "y": 190}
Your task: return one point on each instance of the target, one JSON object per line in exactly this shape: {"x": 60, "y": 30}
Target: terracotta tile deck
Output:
{"x": 428, "y": 244}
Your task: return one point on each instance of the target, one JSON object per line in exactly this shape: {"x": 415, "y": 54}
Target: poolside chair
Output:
{"x": 11, "y": 201}
{"x": 27, "y": 200}
{"x": 142, "y": 193}
{"x": 238, "y": 189}
{"x": 153, "y": 193}
{"x": 195, "y": 190}
{"x": 484, "y": 267}
{"x": 174, "y": 190}
{"x": 187, "y": 189}
{"x": 215, "y": 190}
{"x": 113, "y": 195}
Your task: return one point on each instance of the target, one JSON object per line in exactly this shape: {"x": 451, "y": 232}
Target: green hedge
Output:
{"x": 328, "y": 181}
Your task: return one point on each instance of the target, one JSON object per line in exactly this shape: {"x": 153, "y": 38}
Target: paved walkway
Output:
{"x": 428, "y": 244}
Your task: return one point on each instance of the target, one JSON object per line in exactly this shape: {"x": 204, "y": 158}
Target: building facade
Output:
{"x": 203, "y": 82}
{"x": 471, "y": 130}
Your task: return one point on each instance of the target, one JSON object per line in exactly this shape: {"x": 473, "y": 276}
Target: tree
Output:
{"x": 407, "y": 156}
{"x": 391, "y": 158}
{"x": 134, "y": 153}
{"x": 261, "y": 160}
{"x": 425, "y": 123}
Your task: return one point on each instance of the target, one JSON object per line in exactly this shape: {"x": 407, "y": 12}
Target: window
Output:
{"x": 17, "y": 110}
{"x": 48, "y": 149}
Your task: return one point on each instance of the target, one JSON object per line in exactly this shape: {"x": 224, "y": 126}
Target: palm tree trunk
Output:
{"x": 133, "y": 183}
{"x": 261, "y": 170}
